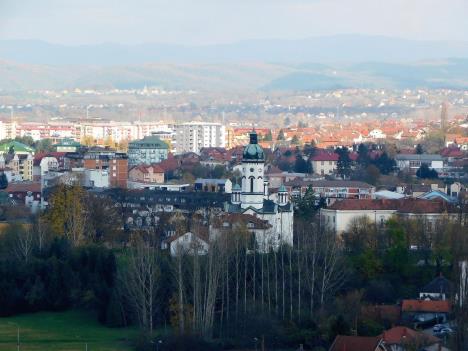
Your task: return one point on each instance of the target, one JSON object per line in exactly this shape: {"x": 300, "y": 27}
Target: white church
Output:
{"x": 253, "y": 198}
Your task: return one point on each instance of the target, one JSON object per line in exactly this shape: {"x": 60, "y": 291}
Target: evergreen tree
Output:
{"x": 301, "y": 165}
{"x": 295, "y": 140}
{"x": 344, "y": 162}
{"x": 419, "y": 149}
{"x": 425, "y": 172}
{"x": 280, "y": 135}
{"x": 3, "y": 181}
{"x": 363, "y": 155}
{"x": 268, "y": 136}
{"x": 385, "y": 164}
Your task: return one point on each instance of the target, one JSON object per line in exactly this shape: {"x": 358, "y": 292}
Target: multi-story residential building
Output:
{"x": 412, "y": 162}
{"x": 115, "y": 163}
{"x": 67, "y": 145}
{"x": 119, "y": 131}
{"x": 331, "y": 190}
{"x": 192, "y": 136}
{"x": 146, "y": 151}
{"x": 18, "y": 158}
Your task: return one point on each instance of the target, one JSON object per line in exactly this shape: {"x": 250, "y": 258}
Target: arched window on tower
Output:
{"x": 251, "y": 184}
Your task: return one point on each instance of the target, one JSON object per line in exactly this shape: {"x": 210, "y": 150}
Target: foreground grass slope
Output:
{"x": 64, "y": 331}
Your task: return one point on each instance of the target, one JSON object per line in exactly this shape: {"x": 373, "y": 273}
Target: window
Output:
{"x": 250, "y": 225}
{"x": 251, "y": 184}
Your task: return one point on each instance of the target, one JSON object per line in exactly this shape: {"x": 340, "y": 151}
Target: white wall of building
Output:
{"x": 192, "y": 136}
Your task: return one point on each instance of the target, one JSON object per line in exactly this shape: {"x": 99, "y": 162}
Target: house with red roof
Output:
{"x": 357, "y": 343}
{"x": 146, "y": 174}
{"x": 341, "y": 214}
{"x": 403, "y": 338}
{"x": 422, "y": 313}
{"x": 324, "y": 162}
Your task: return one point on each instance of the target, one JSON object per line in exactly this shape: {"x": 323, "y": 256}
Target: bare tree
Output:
{"x": 140, "y": 280}
{"x": 24, "y": 243}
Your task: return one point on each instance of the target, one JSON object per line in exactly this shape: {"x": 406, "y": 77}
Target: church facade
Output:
{"x": 252, "y": 198}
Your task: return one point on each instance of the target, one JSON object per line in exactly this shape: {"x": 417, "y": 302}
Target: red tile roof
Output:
{"x": 145, "y": 168}
{"x": 402, "y": 335}
{"x": 365, "y": 204}
{"x": 326, "y": 156}
{"x": 24, "y": 187}
{"x": 443, "y": 306}
{"x": 355, "y": 343}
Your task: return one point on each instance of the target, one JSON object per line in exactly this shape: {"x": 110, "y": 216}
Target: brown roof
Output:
{"x": 24, "y": 187}
{"x": 425, "y": 206}
{"x": 326, "y": 156}
{"x": 365, "y": 204}
{"x": 355, "y": 343}
{"x": 402, "y": 335}
{"x": 442, "y": 306}
{"x": 244, "y": 218}
{"x": 145, "y": 168}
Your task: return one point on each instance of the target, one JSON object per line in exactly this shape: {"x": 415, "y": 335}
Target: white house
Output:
{"x": 340, "y": 215}
{"x": 377, "y": 134}
{"x": 188, "y": 244}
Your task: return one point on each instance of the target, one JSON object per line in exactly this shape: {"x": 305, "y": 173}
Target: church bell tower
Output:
{"x": 253, "y": 168}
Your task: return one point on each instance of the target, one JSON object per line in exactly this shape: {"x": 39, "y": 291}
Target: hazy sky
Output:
{"x": 196, "y": 22}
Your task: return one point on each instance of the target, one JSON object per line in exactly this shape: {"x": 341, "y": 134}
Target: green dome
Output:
{"x": 253, "y": 151}
{"x": 236, "y": 187}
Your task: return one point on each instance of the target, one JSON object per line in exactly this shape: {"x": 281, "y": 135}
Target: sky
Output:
{"x": 202, "y": 22}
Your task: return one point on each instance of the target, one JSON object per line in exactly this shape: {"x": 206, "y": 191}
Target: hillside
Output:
{"x": 452, "y": 73}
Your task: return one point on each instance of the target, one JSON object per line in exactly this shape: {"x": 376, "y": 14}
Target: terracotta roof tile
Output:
{"x": 442, "y": 306}
{"x": 402, "y": 335}
{"x": 355, "y": 343}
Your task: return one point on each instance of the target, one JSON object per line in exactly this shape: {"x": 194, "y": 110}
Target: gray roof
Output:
{"x": 438, "y": 285}
{"x": 417, "y": 157}
{"x": 210, "y": 181}
{"x": 269, "y": 206}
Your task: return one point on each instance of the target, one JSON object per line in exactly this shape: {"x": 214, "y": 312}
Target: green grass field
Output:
{"x": 64, "y": 331}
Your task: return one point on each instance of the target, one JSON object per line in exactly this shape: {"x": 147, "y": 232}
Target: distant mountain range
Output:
{"x": 309, "y": 64}
{"x": 330, "y": 49}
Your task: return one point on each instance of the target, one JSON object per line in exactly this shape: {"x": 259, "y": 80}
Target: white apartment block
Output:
{"x": 120, "y": 131}
{"x": 8, "y": 130}
{"x": 193, "y": 136}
